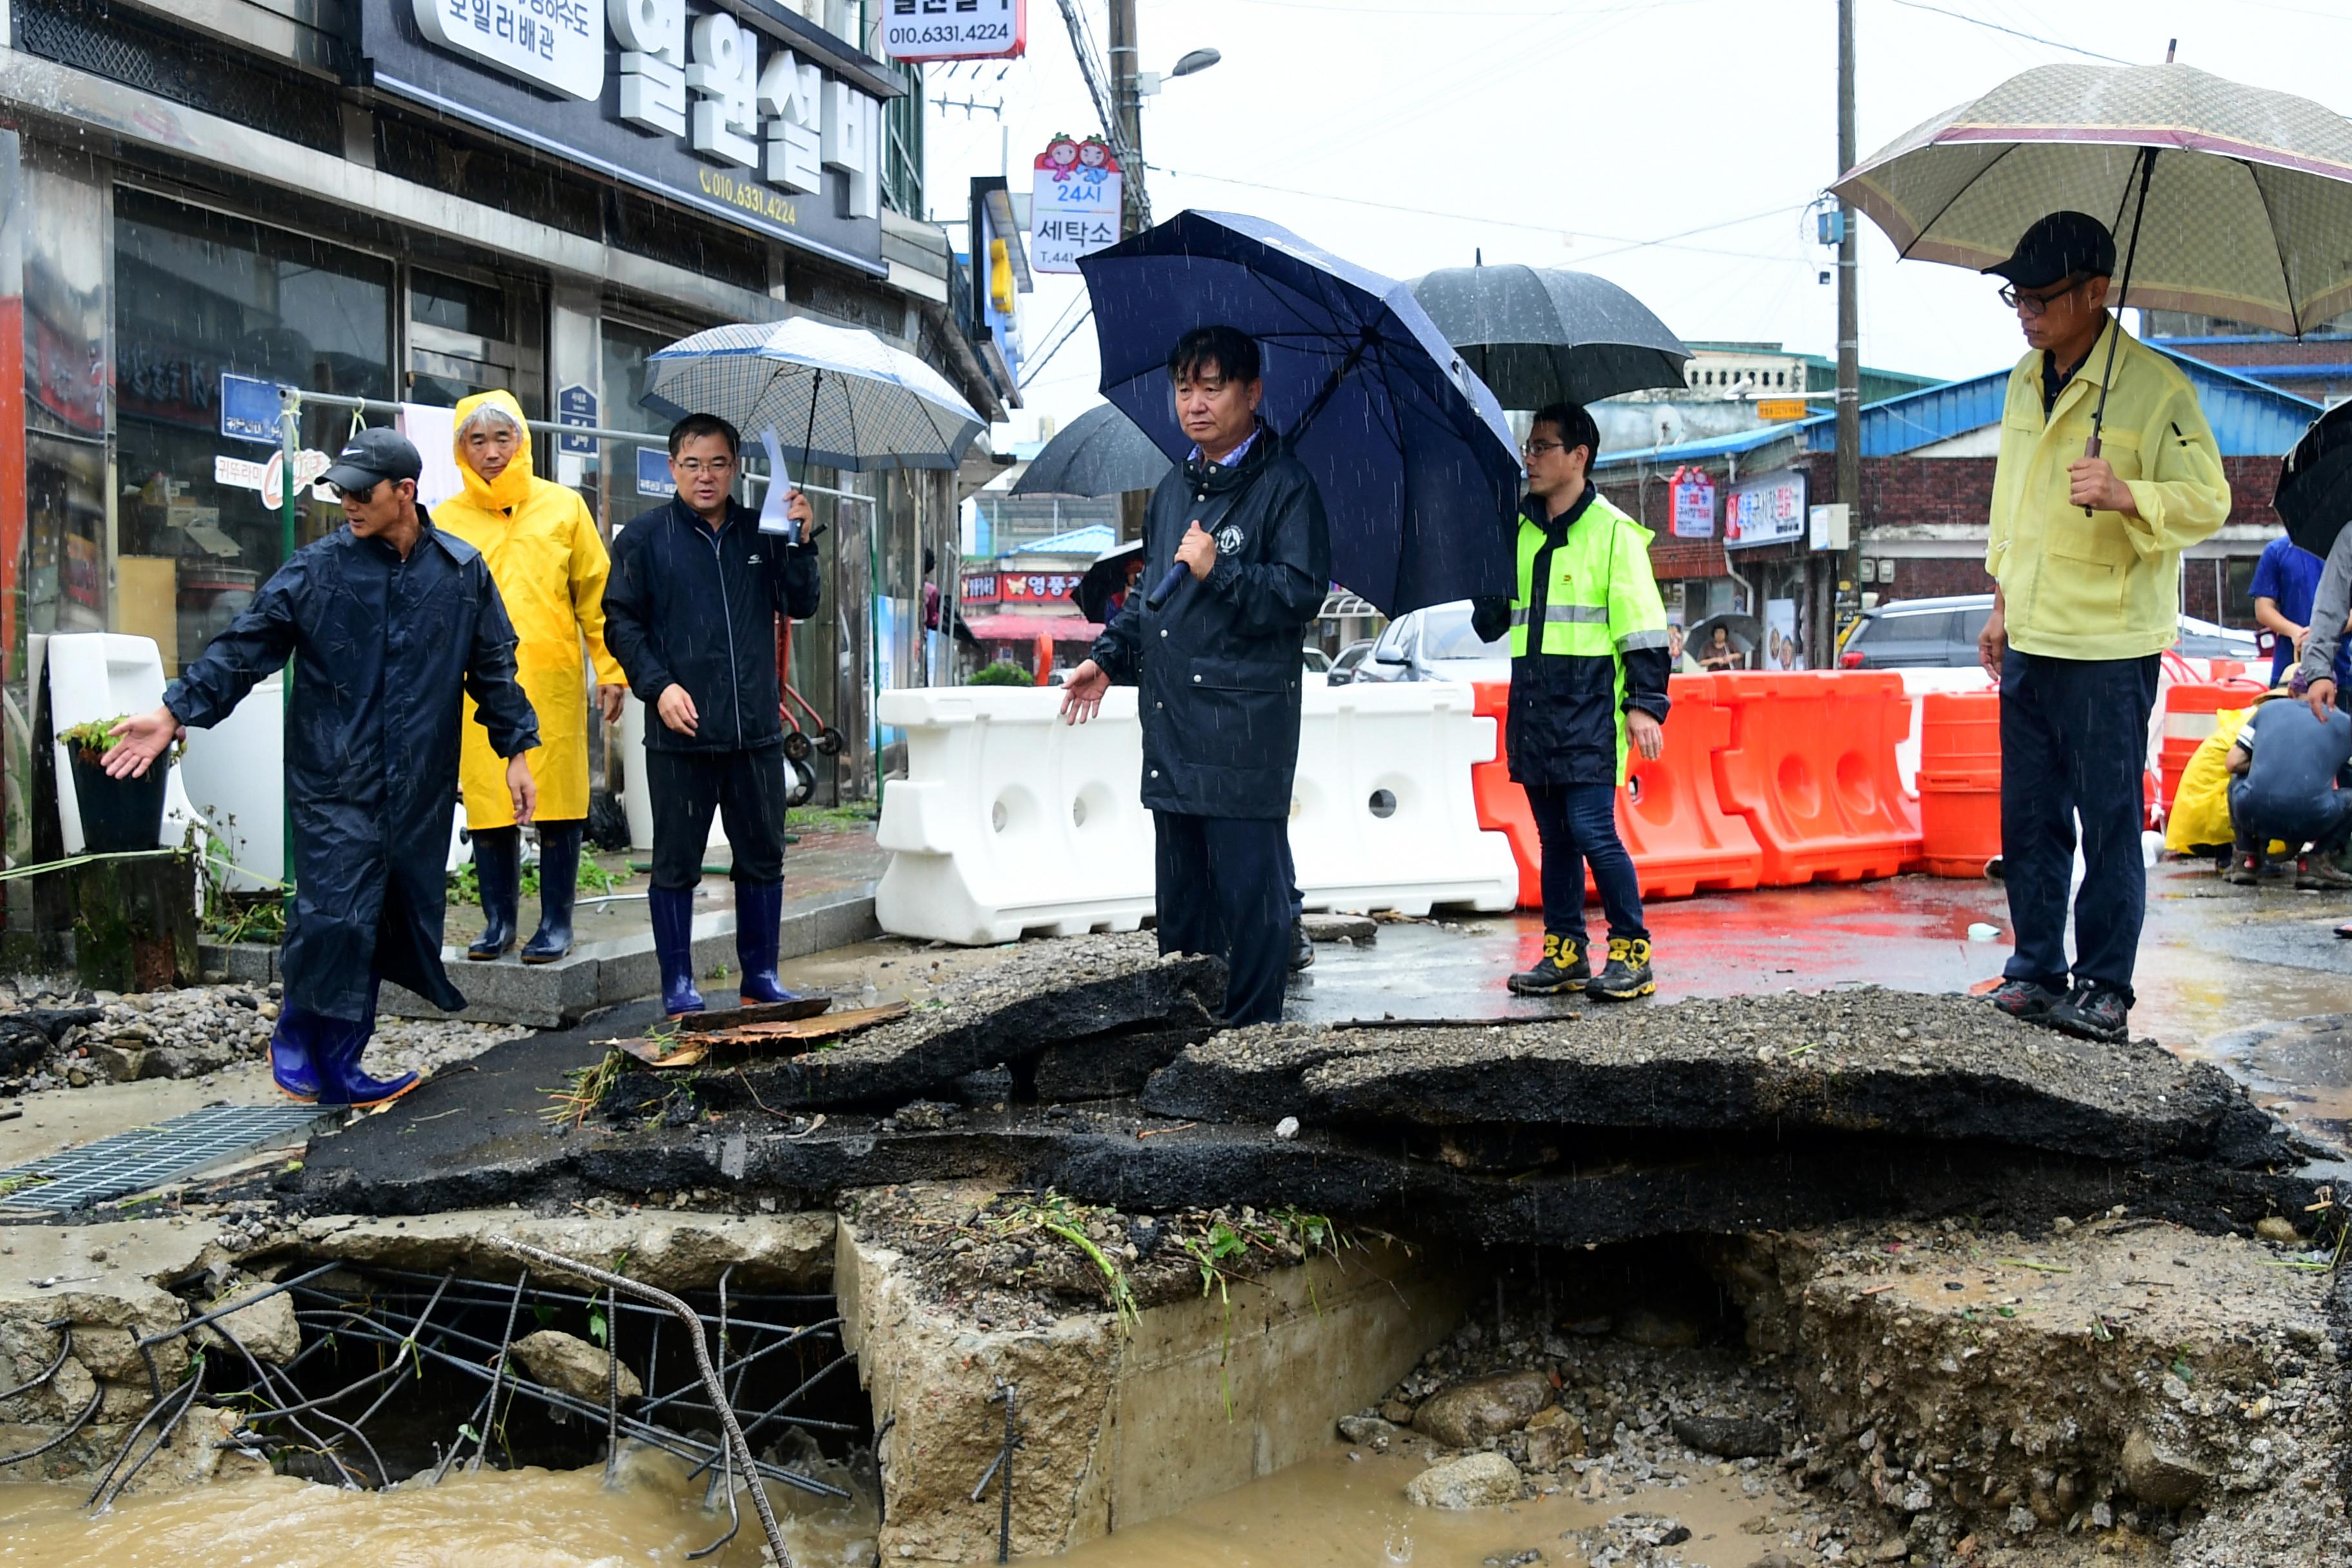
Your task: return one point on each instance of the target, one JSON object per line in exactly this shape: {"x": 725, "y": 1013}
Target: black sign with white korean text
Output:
{"x": 729, "y": 111}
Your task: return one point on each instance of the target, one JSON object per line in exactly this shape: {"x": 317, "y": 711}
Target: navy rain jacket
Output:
{"x": 381, "y": 648}
{"x": 694, "y": 606}
{"x": 1219, "y": 663}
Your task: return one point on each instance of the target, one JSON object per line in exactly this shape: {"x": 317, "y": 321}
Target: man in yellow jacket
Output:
{"x": 2085, "y": 553}
{"x": 550, "y": 566}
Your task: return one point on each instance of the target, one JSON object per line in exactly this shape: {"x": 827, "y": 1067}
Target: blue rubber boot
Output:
{"x": 559, "y": 879}
{"x": 341, "y": 1081}
{"x": 673, "y": 916}
{"x": 759, "y": 917}
{"x": 293, "y": 1063}
{"x": 497, "y": 874}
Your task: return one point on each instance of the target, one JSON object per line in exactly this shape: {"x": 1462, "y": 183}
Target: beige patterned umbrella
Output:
{"x": 2226, "y": 200}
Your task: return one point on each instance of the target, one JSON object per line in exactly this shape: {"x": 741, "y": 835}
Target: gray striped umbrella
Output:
{"x": 838, "y": 397}
{"x": 2247, "y": 193}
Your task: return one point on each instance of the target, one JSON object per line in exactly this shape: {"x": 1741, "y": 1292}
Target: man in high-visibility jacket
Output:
{"x": 2085, "y": 552}
{"x": 1589, "y": 667}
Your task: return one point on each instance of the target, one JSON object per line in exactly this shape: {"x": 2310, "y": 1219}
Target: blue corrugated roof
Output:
{"x": 1091, "y": 540}
{"x": 1712, "y": 446}
{"x": 2248, "y": 419}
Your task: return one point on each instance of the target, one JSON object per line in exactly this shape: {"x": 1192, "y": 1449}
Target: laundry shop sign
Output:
{"x": 735, "y": 109}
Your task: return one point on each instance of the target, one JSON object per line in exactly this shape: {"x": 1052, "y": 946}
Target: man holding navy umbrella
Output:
{"x": 1238, "y": 558}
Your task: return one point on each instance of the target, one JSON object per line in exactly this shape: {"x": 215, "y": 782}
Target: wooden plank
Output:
{"x": 692, "y": 1050}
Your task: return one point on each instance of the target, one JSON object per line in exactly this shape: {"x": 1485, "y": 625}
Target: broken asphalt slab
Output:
{"x": 1866, "y": 1061}
{"x": 1708, "y": 1115}
{"x": 1042, "y": 995}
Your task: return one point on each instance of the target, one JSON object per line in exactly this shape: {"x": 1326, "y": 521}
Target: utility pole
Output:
{"x": 1849, "y": 368}
{"x": 1126, "y": 107}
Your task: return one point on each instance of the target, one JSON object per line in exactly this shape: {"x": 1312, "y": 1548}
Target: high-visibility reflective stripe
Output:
{"x": 1555, "y": 614}
{"x": 1634, "y": 641}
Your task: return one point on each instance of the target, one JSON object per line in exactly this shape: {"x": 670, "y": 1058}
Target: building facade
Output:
{"x": 402, "y": 202}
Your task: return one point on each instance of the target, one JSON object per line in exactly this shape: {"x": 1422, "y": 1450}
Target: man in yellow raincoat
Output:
{"x": 549, "y": 566}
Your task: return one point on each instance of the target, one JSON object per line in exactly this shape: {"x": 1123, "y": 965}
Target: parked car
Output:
{"x": 1435, "y": 643}
{"x": 1317, "y": 661}
{"x": 1343, "y": 668}
{"x": 1911, "y": 634}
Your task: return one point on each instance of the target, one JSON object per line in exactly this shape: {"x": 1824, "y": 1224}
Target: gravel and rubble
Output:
{"x": 71, "y": 1037}
{"x": 1938, "y": 1394}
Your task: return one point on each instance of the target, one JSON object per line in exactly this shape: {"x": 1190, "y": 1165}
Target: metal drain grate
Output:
{"x": 150, "y": 1157}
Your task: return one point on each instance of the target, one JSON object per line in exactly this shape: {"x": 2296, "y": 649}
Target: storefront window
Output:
{"x": 200, "y": 296}
{"x": 626, "y": 351}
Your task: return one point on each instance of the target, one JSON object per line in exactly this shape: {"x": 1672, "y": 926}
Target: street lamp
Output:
{"x": 1146, "y": 83}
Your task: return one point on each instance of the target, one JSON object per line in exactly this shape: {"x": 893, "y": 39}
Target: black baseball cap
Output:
{"x": 373, "y": 455}
{"x": 2063, "y": 244}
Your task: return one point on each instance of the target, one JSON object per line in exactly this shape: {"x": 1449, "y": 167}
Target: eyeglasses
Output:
{"x": 2035, "y": 304}
{"x": 698, "y": 466}
{"x": 1537, "y": 448}
{"x": 360, "y": 493}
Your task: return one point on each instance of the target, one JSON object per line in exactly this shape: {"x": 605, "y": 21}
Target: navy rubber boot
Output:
{"x": 293, "y": 1062}
{"x": 673, "y": 916}
{"x": 498, "y": 873}
{"x": 759, "y": 920}
{"x": 340, "y": 1081}
{"x": 558, "y": 881}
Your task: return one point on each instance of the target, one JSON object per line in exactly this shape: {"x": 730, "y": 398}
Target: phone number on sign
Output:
{"x": 752, "y": 198}
{"x": 972, "y": 33}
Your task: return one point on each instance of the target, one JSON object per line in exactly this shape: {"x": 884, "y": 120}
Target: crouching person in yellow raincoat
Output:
{"x": 549, "y": 566}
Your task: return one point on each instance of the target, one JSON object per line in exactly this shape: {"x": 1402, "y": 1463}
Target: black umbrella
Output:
{"x": 2315, "y": 487}
{"x": 1537, "y": 334}
{"x": 1099, "y": 453}
{"x": 1106, "y": 576}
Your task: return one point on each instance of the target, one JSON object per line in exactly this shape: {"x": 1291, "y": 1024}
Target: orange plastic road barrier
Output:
{"x": 1810, "y": 765}
{"x": 2189, "y": 710}
{"x": 1680, "y": 837}
{"x": 1960, "y": 782}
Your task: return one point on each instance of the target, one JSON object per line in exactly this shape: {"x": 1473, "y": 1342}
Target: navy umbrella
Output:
{"x": 1538, "y": 334}
{"x": 2315, "y": 487}
{"x": 1410, "y": 449}
{"x": 1099, "y": 453}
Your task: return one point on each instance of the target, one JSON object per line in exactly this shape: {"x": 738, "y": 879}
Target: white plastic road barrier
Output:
{"x": 637, "y": 804}
{"x": 105, "y": 675}
{"x": 234, "y": 773}
{"x": 1383, "y": 815}
{"x": 1010, "y": 821}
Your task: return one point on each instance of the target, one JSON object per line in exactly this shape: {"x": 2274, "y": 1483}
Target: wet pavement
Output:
{"x": 2253, "y": 979}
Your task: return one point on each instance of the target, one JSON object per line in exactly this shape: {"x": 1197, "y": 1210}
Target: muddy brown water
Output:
{"x": 1331, "y": 1512}
{"x": 496, "y": 1519}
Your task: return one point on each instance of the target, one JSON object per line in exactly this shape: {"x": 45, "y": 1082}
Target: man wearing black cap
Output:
{"x": 2085, "y": 550}
{"x": 386, "y": 622}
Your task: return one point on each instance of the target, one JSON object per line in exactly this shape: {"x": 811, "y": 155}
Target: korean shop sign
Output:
{"x": 743, "y": 111}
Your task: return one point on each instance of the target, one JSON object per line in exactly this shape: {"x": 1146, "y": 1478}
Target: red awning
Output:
{"x": 1025, "y": 629}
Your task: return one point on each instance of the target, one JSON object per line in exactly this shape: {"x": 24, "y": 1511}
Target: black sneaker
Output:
{"x": 1302, "y": 947}
{"x": 2024, "y": 999}
{"x": 1627, "y": 973}
{"x": 2094, "y": 1012}
{"x": 1564, "y": 967}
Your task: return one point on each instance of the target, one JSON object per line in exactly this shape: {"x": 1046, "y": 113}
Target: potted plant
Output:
{"x": 117, "y": 815}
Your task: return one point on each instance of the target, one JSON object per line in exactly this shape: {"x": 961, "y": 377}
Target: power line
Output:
{"x": 2012, "y": 32}
{"x": 1039, "y": 364}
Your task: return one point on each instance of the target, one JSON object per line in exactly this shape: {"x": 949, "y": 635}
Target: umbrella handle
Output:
{"x": 1168, "y": 586}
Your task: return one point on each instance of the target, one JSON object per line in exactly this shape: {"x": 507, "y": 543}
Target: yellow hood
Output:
{"x": 512, "y": 486}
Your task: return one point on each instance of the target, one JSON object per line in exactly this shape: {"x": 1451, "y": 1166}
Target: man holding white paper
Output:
{"x": 690, "y": 611}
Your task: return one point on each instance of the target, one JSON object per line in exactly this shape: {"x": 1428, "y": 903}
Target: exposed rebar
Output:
{"x": 687, "y": 1315}
{"x": 63, "y": 1327}
{"x": 97, "y": 1398}
{"x": 1004, "y": 1480}
{"x": 497, "y": 1375}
